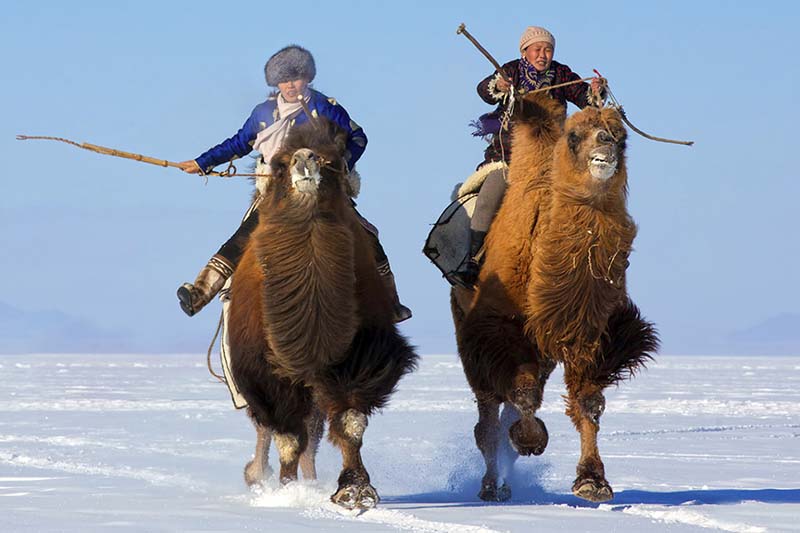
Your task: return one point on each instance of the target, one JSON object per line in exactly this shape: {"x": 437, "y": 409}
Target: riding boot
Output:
{"x": 467, "y": 274}
{"x": 401, "y": 312}
{"x": 194, "y": 296}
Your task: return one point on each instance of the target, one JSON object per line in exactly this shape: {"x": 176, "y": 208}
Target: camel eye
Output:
{"x": 604, "y": 137}
{"x": 573, "y": 140}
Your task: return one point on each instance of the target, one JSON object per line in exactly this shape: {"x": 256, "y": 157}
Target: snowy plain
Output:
{"x": 153, "y": 443}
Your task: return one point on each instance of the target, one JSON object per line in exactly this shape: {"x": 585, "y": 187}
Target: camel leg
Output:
{"x": 290, "y": 446}
{"x": 506, "y": 454}
{"x": 585, "y": 404}
{"x": 528, "y": 435}
{"x": 346, "y": 431}
{"x": 487, "y": 438}
{"x": 315, "y": 425}
{"x": 258, "y": 469}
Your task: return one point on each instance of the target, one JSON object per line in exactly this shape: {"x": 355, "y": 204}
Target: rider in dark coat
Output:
{"x": 534, "y": 70}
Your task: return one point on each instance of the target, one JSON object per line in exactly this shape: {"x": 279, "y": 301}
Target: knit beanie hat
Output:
{"x": 290, "y": 63}
{"x": 535, "y": 34}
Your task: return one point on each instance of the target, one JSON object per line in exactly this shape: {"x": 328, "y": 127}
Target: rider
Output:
{"x": 534, "y": 70}
{"x": 290, "y": 70}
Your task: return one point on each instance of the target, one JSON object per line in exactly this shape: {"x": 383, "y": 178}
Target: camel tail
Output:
{"x": 365, "y": 379}
{"x": 630, "y": 342}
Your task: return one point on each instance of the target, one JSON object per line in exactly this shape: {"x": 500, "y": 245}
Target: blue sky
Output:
{"x": 106, "y": 242}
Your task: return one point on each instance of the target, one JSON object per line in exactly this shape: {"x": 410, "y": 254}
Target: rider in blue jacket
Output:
{"x": 290, "y": 70}
{"x": 266, "y": 113}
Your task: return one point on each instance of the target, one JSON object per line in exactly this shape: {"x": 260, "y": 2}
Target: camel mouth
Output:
{"x": 305, "y": 171}
{"x": 602, "y": 163}
{"x": 306, "y": 184}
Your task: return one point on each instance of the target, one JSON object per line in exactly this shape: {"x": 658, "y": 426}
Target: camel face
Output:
{"x": 304, "y": 170}
{"x": 595, "y": 145}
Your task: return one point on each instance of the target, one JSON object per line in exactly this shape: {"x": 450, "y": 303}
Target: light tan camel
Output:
{"x": 552, "y": 289}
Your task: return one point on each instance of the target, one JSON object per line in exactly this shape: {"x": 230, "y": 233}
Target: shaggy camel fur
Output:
{"x": 552, "y": 290}
{"x": 311, "y": 323}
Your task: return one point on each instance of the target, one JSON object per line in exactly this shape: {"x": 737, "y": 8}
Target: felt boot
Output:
{"x": 467, "y": 273}
{"x": 194, "y": 296}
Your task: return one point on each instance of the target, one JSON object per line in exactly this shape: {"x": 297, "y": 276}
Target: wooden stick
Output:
{"x": 229, "y": 173}
{"x": 104, "y": 150}
{"x": 462, "y": 30}
{"x": 313, "y": 119}
{"x": 556, "y": 86}
{"x": 647, "y": 135}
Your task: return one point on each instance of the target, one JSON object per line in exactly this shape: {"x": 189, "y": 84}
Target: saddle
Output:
{"x": 447, "y": 245}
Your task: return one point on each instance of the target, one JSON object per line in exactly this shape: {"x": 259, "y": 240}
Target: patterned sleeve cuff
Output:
{"x": 493, "y": 91}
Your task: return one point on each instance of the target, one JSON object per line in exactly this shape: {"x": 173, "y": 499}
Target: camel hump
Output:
{"x": 540, "y": 110}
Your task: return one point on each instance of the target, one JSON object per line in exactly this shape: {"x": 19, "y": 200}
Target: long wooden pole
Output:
{"x": 228, "y": 173}
{"x": 462, "y": 30}
{"x": 104, "y": 150}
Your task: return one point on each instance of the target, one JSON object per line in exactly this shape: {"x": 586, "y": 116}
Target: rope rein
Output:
{"x": 60, "y": 139}
{"x": 221, "y": 379}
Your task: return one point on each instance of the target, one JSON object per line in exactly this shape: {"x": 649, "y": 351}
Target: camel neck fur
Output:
{"x": 578, "y": 266}
{"x": 305, "y": 245}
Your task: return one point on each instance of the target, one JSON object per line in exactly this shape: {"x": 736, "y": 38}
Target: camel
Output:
{"x": 311, "y": 324}
{"x": 552, "y": 290}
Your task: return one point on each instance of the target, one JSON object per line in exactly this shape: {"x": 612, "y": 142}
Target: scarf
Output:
{"x": 531, "y": 79}
{"x": 269, "y": 140}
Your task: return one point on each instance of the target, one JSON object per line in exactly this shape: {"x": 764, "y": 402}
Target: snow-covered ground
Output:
{"x": 152, "y": 443}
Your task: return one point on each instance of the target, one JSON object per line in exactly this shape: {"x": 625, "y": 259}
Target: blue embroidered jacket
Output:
{"x": 264, "y": 115}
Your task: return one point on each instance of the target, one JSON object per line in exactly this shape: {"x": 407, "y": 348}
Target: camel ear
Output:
{"x": 612, "y": 117}
{"x": 573, "y": 141}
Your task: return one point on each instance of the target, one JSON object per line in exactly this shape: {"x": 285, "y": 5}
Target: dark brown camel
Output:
{"x": 311, "y": 322}
{"x": 552, "y": 290}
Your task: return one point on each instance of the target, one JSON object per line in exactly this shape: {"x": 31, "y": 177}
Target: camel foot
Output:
{"x": 592, "y": 489}
{"x": 490, "y": 493}
{"x": 254, "y": 475}
{"x": 528, "y": 438}
{"x": 356, "y": 497}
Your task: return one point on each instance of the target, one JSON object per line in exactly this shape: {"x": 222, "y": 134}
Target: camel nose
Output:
{"x": 304, "y": 160}
{"x": 303, "y": 156}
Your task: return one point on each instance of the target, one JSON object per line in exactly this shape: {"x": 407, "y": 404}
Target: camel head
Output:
{"x": 311, "y": 162}
{"x": 589, "y": 158}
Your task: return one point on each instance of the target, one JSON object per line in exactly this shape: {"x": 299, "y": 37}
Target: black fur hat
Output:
{"x": 290, "y": 63}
